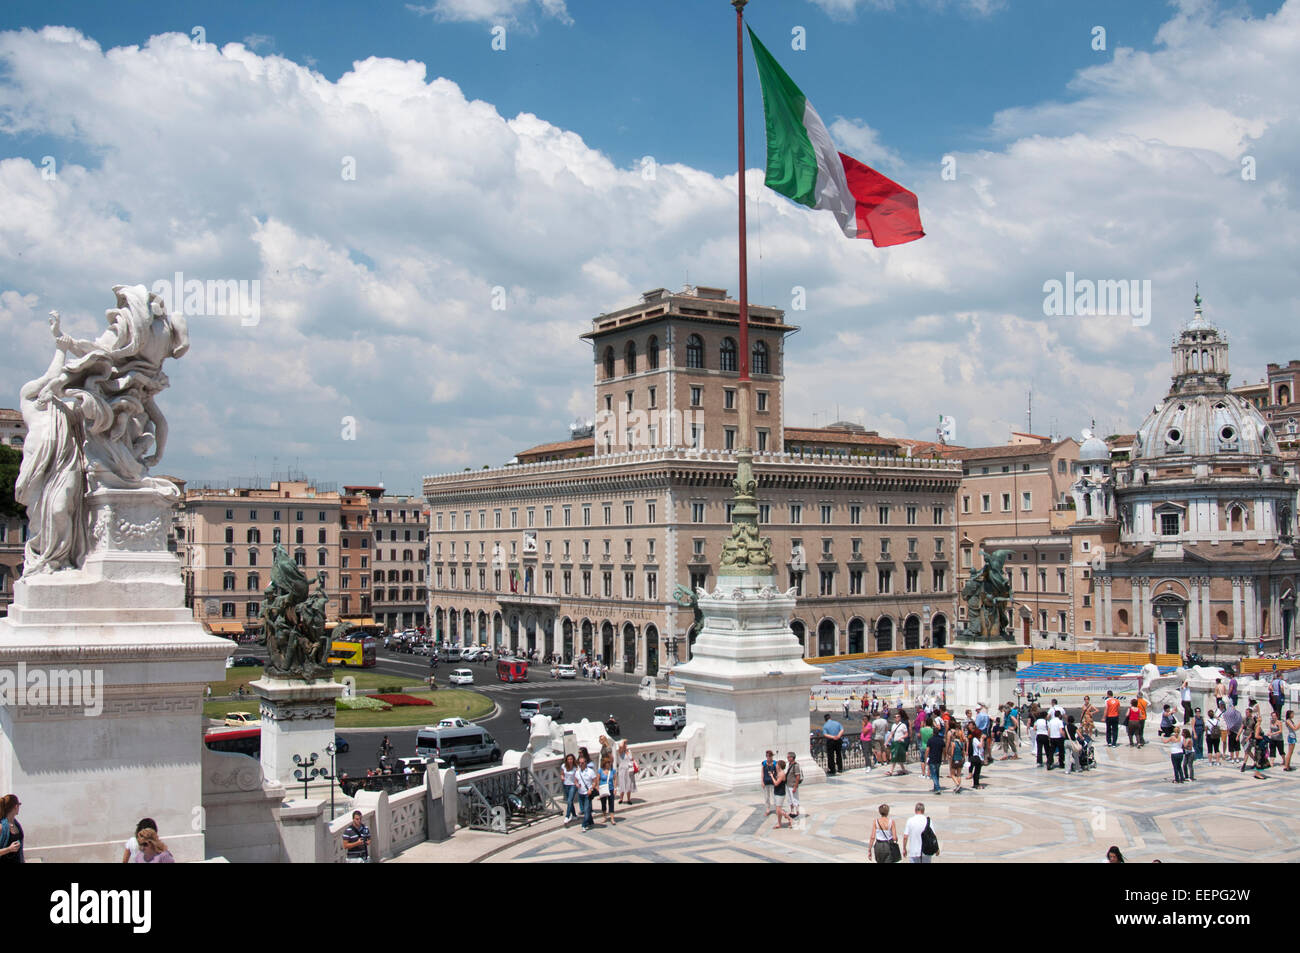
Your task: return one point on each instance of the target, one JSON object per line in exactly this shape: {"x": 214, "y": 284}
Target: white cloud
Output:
{"x": 848, "y": 9}
{"x": 491, "y": 11}
{"x": 378, "y": 291}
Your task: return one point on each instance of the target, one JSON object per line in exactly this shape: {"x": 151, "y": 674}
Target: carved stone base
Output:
{"x": 747, "y": 682}
{"x": 984, "y": 673}
{"x": 297, "y": 719}
{"x": 118, "y": 735}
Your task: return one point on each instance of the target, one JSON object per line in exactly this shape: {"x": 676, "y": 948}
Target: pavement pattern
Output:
{"x": 1025, "y": 814}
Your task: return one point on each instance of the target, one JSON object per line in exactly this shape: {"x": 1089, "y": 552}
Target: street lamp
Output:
{"x": 306, "y": 772}
{"x": 331, "y": 750}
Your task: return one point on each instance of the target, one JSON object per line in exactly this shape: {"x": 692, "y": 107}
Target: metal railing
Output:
{"x": 503, "y": 801}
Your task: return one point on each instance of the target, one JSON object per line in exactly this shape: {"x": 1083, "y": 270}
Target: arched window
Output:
{"x": 727, "y": 356}
{"x": 857, "y": 636}
{"x": 228, "y": 581}
{"x": 912, "y": 632}
{"x": 652, "y": 353}
{"x": 1284, "y": 395}
{"x": 254, "y": 582}
{"x": 884, "y": 634}
{"x": 760, "y": 361}
{"x": 629, "y": 358}
{"x": 695, "y": 351}
{"x": 254, "y": 535}
{"x": 609, "y": 363}
{"x": 1236, "y": 519}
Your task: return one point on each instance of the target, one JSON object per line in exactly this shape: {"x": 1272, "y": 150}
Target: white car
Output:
{"x": 455, "y": 723}
{"x": 469, "y": 654}
{"x": 461, "y": 676}
{"x": 669, "y": 717}
{"x": 564, "y": 671}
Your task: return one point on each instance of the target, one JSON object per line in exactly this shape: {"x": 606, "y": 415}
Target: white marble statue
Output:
{"x": 92, "y": 423}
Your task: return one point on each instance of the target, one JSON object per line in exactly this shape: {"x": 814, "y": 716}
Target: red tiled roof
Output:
{"x": 7, "y": 413}
{"x": 928, "y": 446}
{"x": 563, "y": 446}
{"x": 822, "y": 435}
{"x": 1005, "y": 450}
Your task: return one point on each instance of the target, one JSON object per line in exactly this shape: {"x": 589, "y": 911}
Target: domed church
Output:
{"x": 1200, "y": 520}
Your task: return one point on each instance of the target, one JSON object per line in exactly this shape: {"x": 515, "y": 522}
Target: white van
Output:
{"x": 457, "y": 746}
{"x": 669, "y": 717}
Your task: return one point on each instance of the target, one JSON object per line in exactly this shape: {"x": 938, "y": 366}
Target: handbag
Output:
{"x": 895, "y": 852}
{"x": 636, "y": 768}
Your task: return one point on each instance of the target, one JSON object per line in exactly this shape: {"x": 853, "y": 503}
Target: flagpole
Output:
{"x": 744, "y": 553}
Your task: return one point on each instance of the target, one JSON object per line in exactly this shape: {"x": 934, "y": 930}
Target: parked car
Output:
{"x": 340, "y": 745}
{"x": 461, "y": 676}
{"x": 539, "y": 706}
{"x": 564, "y": 671}
{"x": 669, "y": 717}
{"x": 242, "y": 719}
{"x": 469, "y": 655}
{"x": 246, "y": 661}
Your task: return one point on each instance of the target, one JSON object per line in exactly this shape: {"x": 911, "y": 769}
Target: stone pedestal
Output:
{"x": 119, "y": 733}
{"x": 747, "y": 683}
{"x": 982, "y": 673}
{"x": 297, "y": 719}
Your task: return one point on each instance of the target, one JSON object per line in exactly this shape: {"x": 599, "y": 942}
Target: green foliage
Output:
{"x": 10, "y": 460}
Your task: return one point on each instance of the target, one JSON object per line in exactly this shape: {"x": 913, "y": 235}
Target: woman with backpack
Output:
{"x": 956, "y": 755}
{"x": 1214, "y": 734}
{"x": 884, "y": 838}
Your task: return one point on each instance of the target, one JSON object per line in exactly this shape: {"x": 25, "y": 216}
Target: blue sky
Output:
{"x": 521, "y": 170}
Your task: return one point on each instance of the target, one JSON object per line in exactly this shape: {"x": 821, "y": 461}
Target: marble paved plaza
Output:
{"x": 1025, "y": 814}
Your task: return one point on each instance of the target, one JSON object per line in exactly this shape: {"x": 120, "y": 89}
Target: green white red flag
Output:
{"x": 804, "y": 165}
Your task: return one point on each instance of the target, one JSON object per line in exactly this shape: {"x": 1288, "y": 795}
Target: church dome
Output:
{"x": 1200, "y": 417}
{"x": 1204, "y": 425}
{"x": 1093, "y": 449}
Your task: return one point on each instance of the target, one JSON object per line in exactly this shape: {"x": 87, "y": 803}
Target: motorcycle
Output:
{"x": 612, "y": 727}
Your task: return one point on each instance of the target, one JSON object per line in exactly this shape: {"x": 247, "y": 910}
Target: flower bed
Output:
{"x": 362, "y": 703}
{"x": 398, "y": 699}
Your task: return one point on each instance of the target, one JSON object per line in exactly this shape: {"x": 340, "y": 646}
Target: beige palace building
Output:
{"x": 229, "y": 534}
{"x": 578, "y": 547}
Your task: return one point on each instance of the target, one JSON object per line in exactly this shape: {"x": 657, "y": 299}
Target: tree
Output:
{"x": 10, "y": 461}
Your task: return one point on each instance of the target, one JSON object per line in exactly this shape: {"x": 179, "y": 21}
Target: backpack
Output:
{"x": 929, "y": 840}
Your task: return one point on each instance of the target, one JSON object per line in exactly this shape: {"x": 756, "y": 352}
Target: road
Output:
{"x": 580, "y": 698}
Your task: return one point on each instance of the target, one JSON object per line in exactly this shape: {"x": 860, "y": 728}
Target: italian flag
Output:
{"x": 804, "y": 165}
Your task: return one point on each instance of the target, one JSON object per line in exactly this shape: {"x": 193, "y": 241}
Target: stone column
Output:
{"x": 1237, "y": 629}
{"x": 1135, "y": 609}
{"x": 1250, "y": 605}
{"x": 747, "y": 683}
{"x": 1207, "y": 622}
{"x": 1194, "y": 611}
{"x": 1108, "y": 619}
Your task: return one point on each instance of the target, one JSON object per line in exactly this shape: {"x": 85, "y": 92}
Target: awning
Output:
{"x": 226, "y": 628}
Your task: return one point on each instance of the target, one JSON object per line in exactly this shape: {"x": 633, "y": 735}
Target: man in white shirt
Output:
{"x": 1056, "y": 738}
{"x": 912, "y": 836}
{"x": 1056, "y": 709}
{"x": 879, "y": 729}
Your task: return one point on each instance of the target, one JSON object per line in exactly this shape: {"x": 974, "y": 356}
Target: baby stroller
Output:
{"x": 1082, "y": 756}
